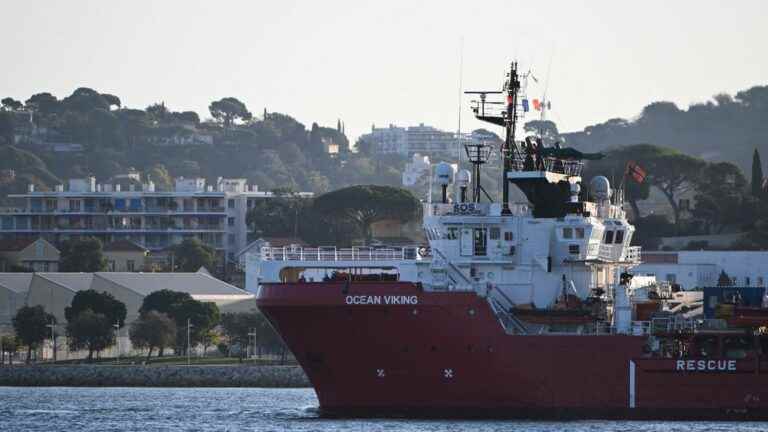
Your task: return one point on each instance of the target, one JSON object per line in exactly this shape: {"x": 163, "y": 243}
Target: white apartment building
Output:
{"x": 425, "y": 140}
{"x": 698, "y": 269}
{"x": 214, "y": 214}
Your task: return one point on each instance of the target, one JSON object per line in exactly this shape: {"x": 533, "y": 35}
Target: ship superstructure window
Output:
{"x": 480, "y": 242}
{"x": 608, "y": 237}
{"x": 573, "y": 249}
{"x": 495, "y": 233}
{"x": 579, "y": 232}
{"x": 453, "y": 233}
{"x": 619, "y": 237}
{"x": 509, "y": 236}
{"x": 567, "y": 233}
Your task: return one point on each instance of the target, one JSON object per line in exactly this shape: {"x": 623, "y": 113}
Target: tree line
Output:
{"x": 167, "y": 320}
{"x": 340, "y": 217}
{"x": 703, "y": 197}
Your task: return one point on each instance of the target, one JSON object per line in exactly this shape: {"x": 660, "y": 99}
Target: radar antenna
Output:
{"x": 508, "y": 119}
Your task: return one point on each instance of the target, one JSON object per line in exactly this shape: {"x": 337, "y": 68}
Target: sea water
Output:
{"x": 53, "y": 409}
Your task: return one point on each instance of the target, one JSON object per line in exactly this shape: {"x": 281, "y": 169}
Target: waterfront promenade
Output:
{"x": 154, "y": 376}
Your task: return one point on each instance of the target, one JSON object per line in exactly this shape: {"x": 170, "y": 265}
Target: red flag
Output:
{"x": 636, "y": 171}
{"x": 537, "y": 105}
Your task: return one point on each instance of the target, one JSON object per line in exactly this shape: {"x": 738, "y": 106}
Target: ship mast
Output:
{"x": 507, "y": 119}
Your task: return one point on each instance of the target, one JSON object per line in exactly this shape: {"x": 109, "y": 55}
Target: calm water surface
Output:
{"x": 203, "y": 409}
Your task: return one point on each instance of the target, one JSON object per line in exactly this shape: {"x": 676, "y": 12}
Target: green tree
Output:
{"x": 229, "y": 109}
{"x": 180, "y": 306}
{"x": 10, "y": 344}
{"x": 11, "y": 104}
{"x": 163, "y": 301}
{"x": 166, "y": 302}
{"x": 158, "y": 112}
{"x": 7, "y": 128}
{"x": 243, "y": 329}
{"x": 83, "y": 255}
{"x": 279, "y": 216}
{"x": 365, "y": 205}
{"x": 30, "y": 325}
{"x": 90, "y": 330}
{"x": 43, "y": 104}
{"x": 757, "y": 175}
{"x": 161, "y": 177}
{"x": 153, "y": 330}
{"x": 202, "y": 316}
{"x": 84, "y": 100}
{"x": 191, "y": 254}
{"x": 102, "y": 303}
{"x": 719, "y": 199}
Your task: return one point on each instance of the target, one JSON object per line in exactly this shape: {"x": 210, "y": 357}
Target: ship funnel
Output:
{"x": 444, "y": 176}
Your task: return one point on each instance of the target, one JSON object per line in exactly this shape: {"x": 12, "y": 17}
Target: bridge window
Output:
{"x": 567, "y": 233}
{"x": 509, "y": 236}
{"x": 608, "y": 237}
{"x": 579, "y": 232}
{"x": 619, "y": 237}
{"x": 495, "y": 233}
{"x": 573, "y": 249}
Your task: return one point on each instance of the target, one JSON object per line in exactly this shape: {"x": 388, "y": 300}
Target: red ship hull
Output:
{"x": 393, "y": 349}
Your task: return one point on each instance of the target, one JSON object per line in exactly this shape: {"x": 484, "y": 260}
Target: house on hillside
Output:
{"x": 125, "y": 256}
{"x": 34, "y": 254}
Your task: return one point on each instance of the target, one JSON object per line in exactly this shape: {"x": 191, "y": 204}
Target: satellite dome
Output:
{"x": 600, "y": 188}
{"x": 444, "y": 173}
{"x": 463, "y": 178}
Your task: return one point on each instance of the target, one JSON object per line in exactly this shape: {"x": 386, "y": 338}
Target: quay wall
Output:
{"x": 153, "y": 376}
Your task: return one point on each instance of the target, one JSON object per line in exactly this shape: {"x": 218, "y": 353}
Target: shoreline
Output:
{"x": 153, "y": 376}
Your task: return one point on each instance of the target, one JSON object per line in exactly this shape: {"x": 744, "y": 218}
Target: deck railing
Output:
{"x": 289, "y": 253}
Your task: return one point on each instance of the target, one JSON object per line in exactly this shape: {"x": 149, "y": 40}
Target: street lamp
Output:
{"x": 253, "y": 334}
{"x": 189, "y": 331}
{"x": 52, "y": 326}
{"x": 117, "y": 339}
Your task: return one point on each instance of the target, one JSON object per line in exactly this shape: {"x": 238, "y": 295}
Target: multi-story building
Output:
{"x": 425, "y": 140}
{"x": 214, "y": 214}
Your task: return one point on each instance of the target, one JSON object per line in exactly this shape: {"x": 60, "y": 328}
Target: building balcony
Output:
{"x": 132, "y": 211}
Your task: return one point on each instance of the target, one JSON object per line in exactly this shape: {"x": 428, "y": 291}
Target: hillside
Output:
{"x": 727, "y": 128}
{"x": 89, "y": 133}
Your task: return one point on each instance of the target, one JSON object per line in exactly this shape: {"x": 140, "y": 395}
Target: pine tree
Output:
{"x": 338, "y": 125}
{"x": 757, "y": 174}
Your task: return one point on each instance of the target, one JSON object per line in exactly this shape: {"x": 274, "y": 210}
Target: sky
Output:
{"x": 385, "y": 62}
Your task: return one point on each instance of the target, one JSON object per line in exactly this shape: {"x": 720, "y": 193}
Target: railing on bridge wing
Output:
{"x": 289, "y": 253}
{"x": 615, "y": 252}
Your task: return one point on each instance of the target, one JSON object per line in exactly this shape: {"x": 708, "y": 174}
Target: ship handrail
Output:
{"x": 332, "y": 253}
{"x": 452, "y": 266}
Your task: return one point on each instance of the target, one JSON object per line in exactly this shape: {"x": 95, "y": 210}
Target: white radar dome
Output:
{"x": 600, "y": 188}
{"x": 463, "y": 178}
{"x": 444, "y": 173}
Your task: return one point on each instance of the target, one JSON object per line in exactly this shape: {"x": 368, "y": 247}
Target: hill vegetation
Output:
{"x": 47, "y": 139}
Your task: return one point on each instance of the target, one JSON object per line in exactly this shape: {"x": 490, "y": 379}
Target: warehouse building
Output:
{"x": 13, "y": 295}
{"x": 54, "y": 291}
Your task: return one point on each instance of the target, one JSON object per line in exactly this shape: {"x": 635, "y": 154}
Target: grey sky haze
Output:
{"x": 388, "y": 61}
